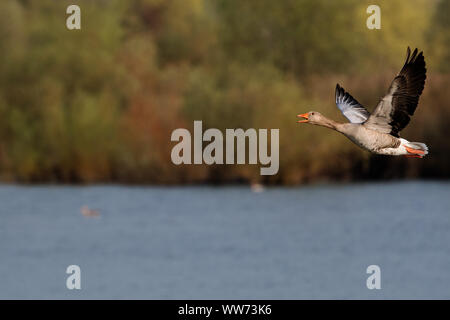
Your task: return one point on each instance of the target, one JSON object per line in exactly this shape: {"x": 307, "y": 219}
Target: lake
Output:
{"x": 311, "y": 242}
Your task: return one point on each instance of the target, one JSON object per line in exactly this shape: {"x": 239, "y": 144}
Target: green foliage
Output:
{"x": 439, "y": 36}
{"x": 296, "y": 36}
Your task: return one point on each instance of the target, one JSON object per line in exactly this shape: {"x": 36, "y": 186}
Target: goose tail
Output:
{"x": 416, "y": 148}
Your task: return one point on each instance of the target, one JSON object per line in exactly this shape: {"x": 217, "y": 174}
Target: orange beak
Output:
{"x": 303, "y": 115}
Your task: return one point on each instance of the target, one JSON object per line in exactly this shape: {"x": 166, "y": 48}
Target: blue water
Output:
{"x": 226, "y": 242}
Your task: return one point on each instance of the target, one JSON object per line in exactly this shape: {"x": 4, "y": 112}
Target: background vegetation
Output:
{"x": 99, "y": 104}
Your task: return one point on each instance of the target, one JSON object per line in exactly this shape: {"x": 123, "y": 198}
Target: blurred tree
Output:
{"x": 439, "y": 36}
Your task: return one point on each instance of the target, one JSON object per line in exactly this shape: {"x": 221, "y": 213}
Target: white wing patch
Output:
{"x": 349, "y": 107}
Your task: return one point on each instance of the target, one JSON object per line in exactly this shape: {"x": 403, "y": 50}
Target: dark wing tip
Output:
{"x": 408, "y": 54}
{"x": 415, "y": 60}
{"x": 416, "y": 55}
{"x": 413, "y": 57}
{"x": 337, "y": 92}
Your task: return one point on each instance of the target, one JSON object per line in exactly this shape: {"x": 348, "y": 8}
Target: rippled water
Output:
{"x": 226, "y": 242}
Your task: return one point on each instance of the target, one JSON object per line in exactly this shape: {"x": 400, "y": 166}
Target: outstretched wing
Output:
{"x": 349, "y": 107}
{"x": 393, "y": 112}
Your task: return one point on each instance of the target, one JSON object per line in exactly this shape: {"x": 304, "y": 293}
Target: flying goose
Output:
{"x": 379, "y": 132}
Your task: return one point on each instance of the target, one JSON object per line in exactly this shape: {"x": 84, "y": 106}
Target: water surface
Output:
{"x": 226, "y": 242}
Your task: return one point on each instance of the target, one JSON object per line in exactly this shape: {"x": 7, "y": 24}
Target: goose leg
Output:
{"x": 413, "y": 156}
{"x": 414, "y": 151}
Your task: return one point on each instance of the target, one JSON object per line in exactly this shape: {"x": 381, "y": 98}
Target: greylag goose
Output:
{"x": 379, "y": 132}
{"x": 85, "y": 211}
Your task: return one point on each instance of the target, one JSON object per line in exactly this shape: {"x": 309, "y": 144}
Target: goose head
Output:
{"x": 312, "y": 117}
